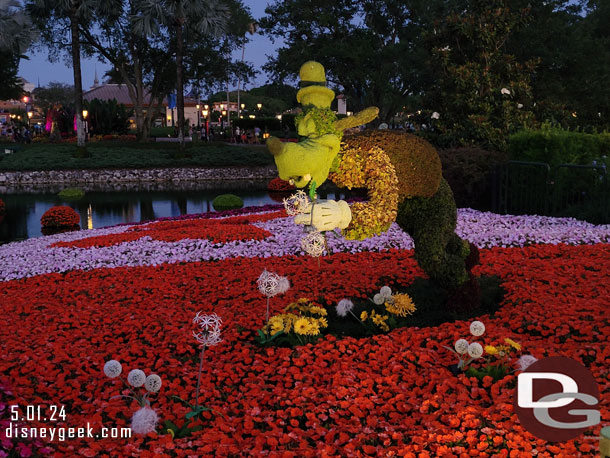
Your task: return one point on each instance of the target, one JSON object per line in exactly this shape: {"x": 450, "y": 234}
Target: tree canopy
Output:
{"x": 471, "y": 71}
{"x": 16, "y": 34}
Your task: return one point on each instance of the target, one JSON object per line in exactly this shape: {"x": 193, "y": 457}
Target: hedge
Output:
{"x": 556, "y": 146}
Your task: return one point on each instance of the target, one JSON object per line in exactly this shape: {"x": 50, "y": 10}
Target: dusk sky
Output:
{"x": 38, "y": 68}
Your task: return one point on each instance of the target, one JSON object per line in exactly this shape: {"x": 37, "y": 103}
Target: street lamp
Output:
{"x": 30, "y": 114}
{"x": 198, "y": 120}
{"x": 259, "y": 106}
{"x": 85, "y": 114}
{"x": 205, "y": 116}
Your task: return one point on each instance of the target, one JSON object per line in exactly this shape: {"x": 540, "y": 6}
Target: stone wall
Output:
{"x": 66, "y": 178}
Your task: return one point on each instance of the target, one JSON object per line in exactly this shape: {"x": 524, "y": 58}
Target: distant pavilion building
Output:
{"x": 120, "y": 93}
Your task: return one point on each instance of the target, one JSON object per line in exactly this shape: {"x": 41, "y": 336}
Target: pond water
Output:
{"x": 106, "y": 206}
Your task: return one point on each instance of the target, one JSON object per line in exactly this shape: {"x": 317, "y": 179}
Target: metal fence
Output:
{"x": 579, "y": 191}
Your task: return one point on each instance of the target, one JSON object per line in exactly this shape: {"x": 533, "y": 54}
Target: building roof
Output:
{"x": 120, "y": 93}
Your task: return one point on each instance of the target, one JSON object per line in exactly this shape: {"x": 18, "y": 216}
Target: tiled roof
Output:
{"x": 121, "y": 94}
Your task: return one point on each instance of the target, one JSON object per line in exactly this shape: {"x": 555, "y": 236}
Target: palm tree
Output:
{"x": 16, "y": 31}
{"x": 207, "y": 17}
{"x": 77, "y": 12}
{"x": 16, "y": 35}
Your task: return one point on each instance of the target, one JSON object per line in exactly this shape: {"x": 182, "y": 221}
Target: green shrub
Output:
{"x": 118, "y": 154}
{"x": 431, "y": 222}
{"x": 227, "y": 202}
{"x": 556, "y": 146}
{"x": 71, "y": 194}
{"x": 162, "y": 131}
{"x": 468, "y": 172}
{"x": 107, "y": 117}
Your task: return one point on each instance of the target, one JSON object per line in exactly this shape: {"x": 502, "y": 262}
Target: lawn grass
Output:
{"x": 113, "y": 154}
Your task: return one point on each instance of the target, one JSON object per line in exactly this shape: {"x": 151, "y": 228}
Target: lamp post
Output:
{"x": 205, "y": 115}
{"x": 243, "y": 107}
{"x": 85, "y": 114}
{"x": 30, "y": 114}
{"x": 259, "y": 106}
{"x": 198, "y": 119}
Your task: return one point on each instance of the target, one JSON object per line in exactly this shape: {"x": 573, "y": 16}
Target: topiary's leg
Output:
{"x": 438, "y": 250}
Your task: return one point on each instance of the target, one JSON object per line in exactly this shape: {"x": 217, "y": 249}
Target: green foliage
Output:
{"x": 264, "y": 340}
{"x": 11, "y": 87}
{"x": 162, "y": 131}
{"x": 107, "y": 117}
{"x": 496, "y": 372}
{"x": 468, "y": 171}
{"x": 133, "y": 155}
{"x": 185, "y": 430}
{"x": 372, "y": 60}
{"x": 431, "y": 310}
{"x": 438, "y": 250}
{"x": 481, "y": 91}
{"x": 556, "y": 146}
{"x": 572, "y": 43}
{"x": 323, "y": 118}
{"x": 71, "y": 194}
{"x": 227, "y": 202}
{"x": 283, "y": 92}
{"x": 53, "y": 94}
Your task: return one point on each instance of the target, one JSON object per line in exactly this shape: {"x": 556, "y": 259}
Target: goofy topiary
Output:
{"x": 401, "y": 172}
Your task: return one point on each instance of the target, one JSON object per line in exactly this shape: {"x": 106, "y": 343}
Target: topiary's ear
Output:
{"x": 366, "y": 115}
{"x": 275, "y": 145}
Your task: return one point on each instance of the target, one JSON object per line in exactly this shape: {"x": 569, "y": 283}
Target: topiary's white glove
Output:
{"x": 327, "y": 215}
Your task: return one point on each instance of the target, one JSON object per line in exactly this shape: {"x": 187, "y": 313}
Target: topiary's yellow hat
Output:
{"x": 312, "y": 72}
{"x": 315, "y": 93}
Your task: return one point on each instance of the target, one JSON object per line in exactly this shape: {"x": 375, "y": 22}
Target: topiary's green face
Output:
{"x": 306, "y": 161}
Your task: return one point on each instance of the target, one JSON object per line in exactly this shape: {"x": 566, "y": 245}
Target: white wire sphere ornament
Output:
{"x": 269, "y": 284}
{"x": 297, "y": 203}
{"x": 210, "y": 328}
{"x": 477, "y": 328}
{"x": 475, "y": 350}
{"x": 313, "y": 244}
{"x": 461, "y": 346}
{"x": 113, "y": 368}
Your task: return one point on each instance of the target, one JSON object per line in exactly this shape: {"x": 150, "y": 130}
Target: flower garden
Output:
{"x": 71, "y": 302}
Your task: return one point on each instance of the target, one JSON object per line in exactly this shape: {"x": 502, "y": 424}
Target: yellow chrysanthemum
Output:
{"x": 301, "y": 326}
{"x": 323, "y": 322}
{"x": 402, "y": 305}
{"x": 380, "y": 320}
{"x": 313, "y": 328}
{"x": 513, "y": 344}
{"x": 276, "y": 323}
{"x": 317, "y": 310}
{"x": 491, "y": 350}
{"x": 364, "y": 316}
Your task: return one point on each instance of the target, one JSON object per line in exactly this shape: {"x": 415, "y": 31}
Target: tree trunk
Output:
{"x": 180, "y": 83}
{"x": 78, "y": 83}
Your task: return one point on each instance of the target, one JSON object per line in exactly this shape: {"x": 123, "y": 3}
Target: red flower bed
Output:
{"x": 279, "y": 185}
{"x": 389, "y": 395}
{"x": 216, "y": 230}
{"x": 60, "y": 216}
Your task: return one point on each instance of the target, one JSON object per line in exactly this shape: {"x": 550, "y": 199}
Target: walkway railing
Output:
{"x": 580, "y": 191}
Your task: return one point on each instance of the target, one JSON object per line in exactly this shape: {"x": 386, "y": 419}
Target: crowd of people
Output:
{"x": 216, "y": 133}
{"x": 19, "y": 134}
